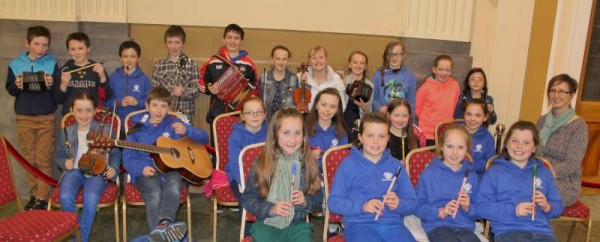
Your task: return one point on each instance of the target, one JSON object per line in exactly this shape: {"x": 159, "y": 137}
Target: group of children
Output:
{"x": 295, "y": 142}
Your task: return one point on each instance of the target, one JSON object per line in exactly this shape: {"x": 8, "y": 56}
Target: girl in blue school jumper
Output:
{"x": 83, "y": 107}
{"x": 359, "y": 190}
{"x": 325, "y": 123}
{"x": 484, "y": 146}
{"x": 506, "y": 195}
{"x": 129, "y": 84}
{"x": 441, "y": 193}
{"x": 251, "y": 130}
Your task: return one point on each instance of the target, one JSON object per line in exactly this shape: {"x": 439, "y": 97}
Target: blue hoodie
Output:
{"x": 484, "y": 147}
{"x": 239, "y": 138}
{"x": 139, "y": 86}
{"x": 402, "y": 84}
{"x": 359, "y": 180}
{"x": 325, "y": 139}
{"x": 33, "y": 103}
{"x": 505, "y": 185}
{"x": 437, "y": 186}
{"x": 134, "y": 161}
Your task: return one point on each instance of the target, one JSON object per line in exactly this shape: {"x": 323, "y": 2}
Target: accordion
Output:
{"x": 34, "y": 82}
{"x": 359, "y": 90}
{"x": 234, "y": 88}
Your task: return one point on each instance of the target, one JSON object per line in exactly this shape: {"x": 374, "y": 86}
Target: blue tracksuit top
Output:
{"x": 325, "y": 139}
{"x": 484, "y": 147}
{"x": 401, "y": 84}
{"x": 134, "y": 161}
{"x": 139, "y": 86}
{"x": 239, "y": 138}
{"x": 359, "y": 180}
{"x": 437, "y": 186}
{"x": 505, "y": 185}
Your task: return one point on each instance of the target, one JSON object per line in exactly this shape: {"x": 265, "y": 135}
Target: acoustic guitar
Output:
{"x": 183, "y": 155}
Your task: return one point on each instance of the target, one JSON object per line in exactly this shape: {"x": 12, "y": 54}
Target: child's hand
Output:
{"x": 281, "y": 209}
{"x": 524, "y": 209}
{"x": 490, "y": 108}
{"x": 65, "y": 78}
{"x": 391, "y": 200}
{"x": 373, "y": 206}
{"x": 177, "y": 90}
{"x": 316, "y": 153}
{"x": 69, "y": 164}
{"x": 449, "y": 209}
{"x": 110, "y": 173}
{"x": 464, "y": 201}
{"x": 383, "y": 109}
{"x": 48, "y": 79}
{"x": 362, "y": 105}
{"x": 179, "y": 128}
{"x": 298, "y": 198}
{"x": 213, "y": 88}
{"x": 148, "y": 171}
{"x": 99, "y": 68}
{"x": 19, "y": 82}
{"x": 540, "y": 199}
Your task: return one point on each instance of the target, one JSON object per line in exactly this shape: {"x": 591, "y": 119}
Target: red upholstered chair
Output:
{"x": 36, "y": 225}
{"x": 110, "y": 196}
{"x": 442, "y": 126}
{"x": 222, "y": 127}
{"x": 247, "y": 157}
{"x": 417, "y": 160}
{"x": 420, "y": 136}
{"x": 133, "y": 197}
{"x": 331, "y": 160}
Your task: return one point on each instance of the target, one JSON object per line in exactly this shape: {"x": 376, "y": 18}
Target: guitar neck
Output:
{"x": 142, "y": 147}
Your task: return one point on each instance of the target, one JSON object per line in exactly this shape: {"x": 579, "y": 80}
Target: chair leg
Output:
{"x": 116, "y": 208}
{"x": 588, "y": 235}
{"x": 124, "y": 209}
{"x": 573, "y": 224}
{"x": 214, "y": 220}
{"x": 78, "y": 235}
{"x": 486, "y": 230}
{"x": 189, "y": 216}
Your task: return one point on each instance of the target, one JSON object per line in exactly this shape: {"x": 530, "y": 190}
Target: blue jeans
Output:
{"x": 376, "y": 232}
{"x": 161, "y": 194}
{"x": 450, "y": 234}
{"x": 93, "y": 187}
{"x": 519, "y": 236}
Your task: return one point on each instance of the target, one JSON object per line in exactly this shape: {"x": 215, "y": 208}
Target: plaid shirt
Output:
{"x": 166, "y": 75}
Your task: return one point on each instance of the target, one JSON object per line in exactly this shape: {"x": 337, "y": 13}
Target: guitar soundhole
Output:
{"x": 175, "y": 153}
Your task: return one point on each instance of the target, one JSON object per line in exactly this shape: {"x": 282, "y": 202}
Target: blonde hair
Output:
{"x": 441, "y": 140}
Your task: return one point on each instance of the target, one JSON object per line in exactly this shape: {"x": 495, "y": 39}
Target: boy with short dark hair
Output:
{"x": 35, "y": 107}
{"x": 75, "y": 78}
{"x": 177, "y": 73}
{"x": 233, "y": 37}
{"x": 160, "y": 190}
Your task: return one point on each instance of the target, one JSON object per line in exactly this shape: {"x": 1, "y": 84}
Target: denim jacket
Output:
{"x": 289, "y": 84}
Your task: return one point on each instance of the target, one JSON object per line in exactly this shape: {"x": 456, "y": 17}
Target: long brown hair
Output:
{"x": 366, "y": 70}
{"x": 267, "y": 162}
{"x": 520, "y": 125}
{"x": 338, "y": 120}
{"x": 387, "y": 55}
{"x": 412, "y": 138}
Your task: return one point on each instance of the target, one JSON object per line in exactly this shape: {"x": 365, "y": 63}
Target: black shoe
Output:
{"x": 40, "y": 205}
{"x": 30, "y": 204}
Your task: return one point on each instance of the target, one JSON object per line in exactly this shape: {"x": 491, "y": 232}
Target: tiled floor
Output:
{"x": 229, "y": 223}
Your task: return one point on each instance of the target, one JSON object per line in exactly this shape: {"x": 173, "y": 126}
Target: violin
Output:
{"x": 93, "y": 162}
{"x": 302, "y": 94}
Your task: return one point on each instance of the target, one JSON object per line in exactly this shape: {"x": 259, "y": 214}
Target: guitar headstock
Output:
{"x": 102, "y": 143}
{"x": 181, "y": 61}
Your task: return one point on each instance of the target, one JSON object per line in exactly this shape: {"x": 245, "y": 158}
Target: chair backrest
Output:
{"x": 222, "y": 127}
{"x": 69, "y": 119}
{"x": 417, "y": 160}
{"x": 420, "y": 136}
{"x": 547, "y": 164}
{"x": 9, "y": 202}
{"x": 442, "y": 126}
{"x": 247, "y": 156}
{"x": 331, "y": 161}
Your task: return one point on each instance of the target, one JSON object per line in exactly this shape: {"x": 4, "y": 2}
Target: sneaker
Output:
{"x": 30, "y": 204}
{"x": 333, "y": 230}
{"x": 40, "y": 204}
{"x": 234, "y": 209}
{"x": 168, "y": 232}
{"x": 220, "y": 209}
{"x": 317, "y": 214}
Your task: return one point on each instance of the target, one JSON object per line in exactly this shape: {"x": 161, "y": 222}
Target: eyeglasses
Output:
{"x": 255, "y": 114}
{"x": 397, "y": 54}
{"x": 559, "y": 92}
